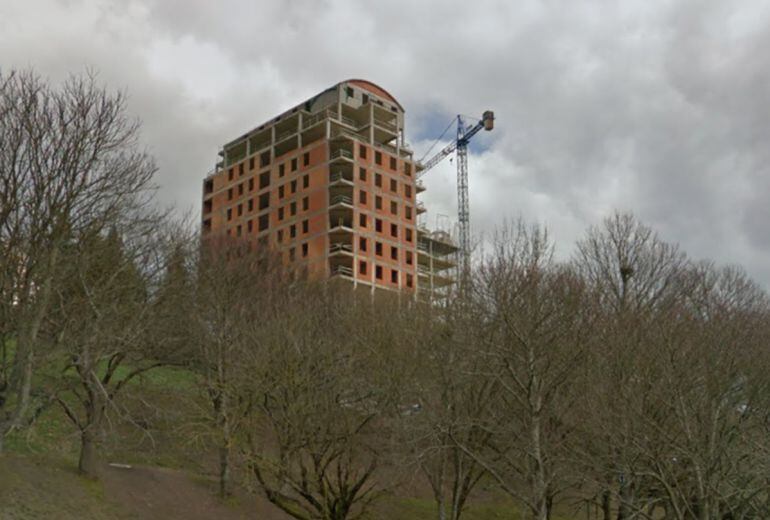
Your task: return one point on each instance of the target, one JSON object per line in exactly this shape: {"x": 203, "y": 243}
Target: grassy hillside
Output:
{"x": 170, "y": 477}
{"x": 47, "y": 487}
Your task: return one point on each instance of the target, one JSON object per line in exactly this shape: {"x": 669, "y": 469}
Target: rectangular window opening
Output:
{"x": 264, "y": 179}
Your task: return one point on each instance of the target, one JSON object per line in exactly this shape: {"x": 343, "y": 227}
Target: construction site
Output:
{"x": 452, "y": 261}
{"x": 332, "y": 185}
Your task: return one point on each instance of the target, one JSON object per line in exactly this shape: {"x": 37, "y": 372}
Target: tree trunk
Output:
{"x": 435, "y": 476}
{"x": 23, "y": 391}
{"x": 538, "y": 478}
{"x": 24, "y": 356}
{"x": 458, "y": 473}
{"x": 88, "y": 464}
{"x": 224, "y": 471}
{"x": 549, "y": 506}
{"x": 606, "y": 505}
{"x": 441, "y": 508}
{"x": 626, "y": 497}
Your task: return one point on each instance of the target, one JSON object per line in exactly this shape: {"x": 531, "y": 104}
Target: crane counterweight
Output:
{"x": 489, "y": 120}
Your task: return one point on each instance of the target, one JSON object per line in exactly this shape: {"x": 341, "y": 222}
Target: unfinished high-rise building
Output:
{"x": 330, "y": 185}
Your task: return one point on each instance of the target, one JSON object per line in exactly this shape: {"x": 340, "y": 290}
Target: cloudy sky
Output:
{"x": 661, "y": 108}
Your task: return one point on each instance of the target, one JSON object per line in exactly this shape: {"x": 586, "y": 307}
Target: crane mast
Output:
{"x": 460, "y": 145}
{"x": 463, "y": 210}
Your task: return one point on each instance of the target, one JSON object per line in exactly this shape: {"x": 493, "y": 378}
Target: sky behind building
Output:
{"x": 657, "y": 107}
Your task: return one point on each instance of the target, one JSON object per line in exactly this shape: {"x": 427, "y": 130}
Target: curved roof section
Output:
{"x": 374, "y": 89}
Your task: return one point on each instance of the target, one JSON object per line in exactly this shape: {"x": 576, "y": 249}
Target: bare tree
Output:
{"x": 236, "y": 291}
{"x": 102, "y": 320}
{"x": 317, "y": 435}
{"x": 711, "y": 452}
{"x": 451, "y": 393}
{"x": 635, "y": 278}
{"x": 535, "y": 348}
{"x": 68, "y": 161}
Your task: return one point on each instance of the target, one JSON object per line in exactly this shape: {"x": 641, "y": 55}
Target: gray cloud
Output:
{"x": 656, "y": 107}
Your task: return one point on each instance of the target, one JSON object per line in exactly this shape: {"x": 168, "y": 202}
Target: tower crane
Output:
{"x": 460, "y": 145}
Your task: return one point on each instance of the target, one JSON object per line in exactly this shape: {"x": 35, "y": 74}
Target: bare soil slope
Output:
{"x": 33, "y": 488}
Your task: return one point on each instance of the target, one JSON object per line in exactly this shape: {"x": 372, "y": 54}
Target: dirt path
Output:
{"x": 161, "y": 494}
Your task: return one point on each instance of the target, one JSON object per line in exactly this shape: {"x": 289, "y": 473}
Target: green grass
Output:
{"x": 145, "y": 431}
{"x": 422, "y": 508}
{"x": 159, "y": 401}
{"x": 493, "y": 507}
{"x": 52, "y": 433}
{"x": 171, "y": 378}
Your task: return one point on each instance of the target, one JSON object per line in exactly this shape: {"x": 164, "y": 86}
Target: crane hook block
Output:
{"x": 489, "y": 120}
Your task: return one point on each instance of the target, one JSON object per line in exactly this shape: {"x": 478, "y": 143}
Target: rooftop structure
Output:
{"x": 330, "y": 184}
